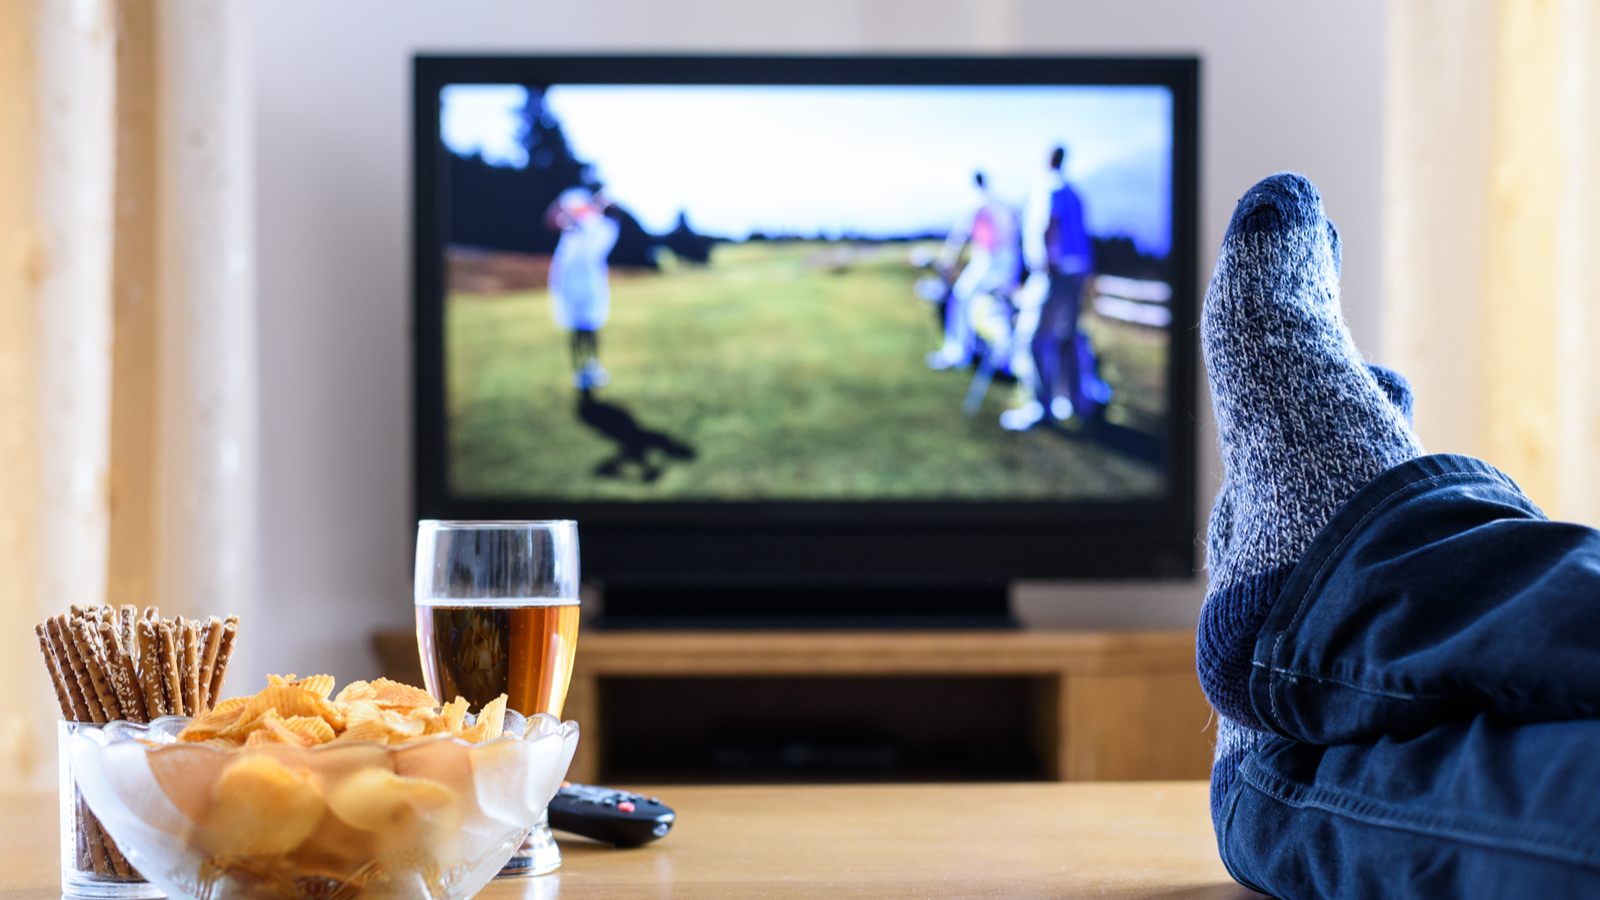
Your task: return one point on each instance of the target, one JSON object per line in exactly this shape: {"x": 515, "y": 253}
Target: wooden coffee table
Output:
{"x": 1148, "y": 839}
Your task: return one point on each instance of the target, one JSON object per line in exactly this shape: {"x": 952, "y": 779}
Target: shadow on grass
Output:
{"x": 634, "y": 443}
{"x": 1129, "y": 442}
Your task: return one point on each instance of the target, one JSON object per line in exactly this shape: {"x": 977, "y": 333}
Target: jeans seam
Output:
{"x": 1378, "y": 692}
{"x": 1560, "y": 711}
{"x": 1231, "y": 809}
{"x": 1465, "y": 829}
{"x": 1327, "y": 560}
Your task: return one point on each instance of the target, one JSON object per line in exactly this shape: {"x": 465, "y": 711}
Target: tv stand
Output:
{"x": 1086, "y": 706}
{"x": 816, "y": 607}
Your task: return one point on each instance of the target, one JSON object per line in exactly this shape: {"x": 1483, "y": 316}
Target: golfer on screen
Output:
{"x": 580, "y": 290}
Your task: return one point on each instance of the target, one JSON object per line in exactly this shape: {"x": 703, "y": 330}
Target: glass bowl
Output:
{"x": 435, "y": 818}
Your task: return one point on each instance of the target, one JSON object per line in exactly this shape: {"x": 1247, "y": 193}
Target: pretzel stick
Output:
{"x": 72, "y": 709}
{"x": 150, "y": 680}
{"x": 191, "y": 668}
{"x": 119, "y": 863}
{"x": 67, "y": 648}
{"x": 126, "y": 616}
{"x": 124, "y": 680}
{"x": 230, "y": 631}
{"x": 77, "y": 612}
{"x": 85, "y": 857}
{"x": 209, "y": 647}
{"x": 169, "y": 668}
{"x": 94, "y": 660}
{"x": 93, "y": 841}
{"x": 153, "y": 614}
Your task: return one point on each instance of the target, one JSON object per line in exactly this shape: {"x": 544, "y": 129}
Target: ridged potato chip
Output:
{"x": 356, "y": 690}
{"x": 321, "y": 685}
{"x": 314, "y": 727}
{"x": 378, "y": 800}
{"x": 261, "y": 808}
{"x": 298, "y": 712}
{"x": 394, "y": 695}
{"x": 286, "y": 699}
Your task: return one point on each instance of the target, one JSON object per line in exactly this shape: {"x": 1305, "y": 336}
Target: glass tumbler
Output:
{"x": 91, "y": 865}
{"x": 497, "y": 613}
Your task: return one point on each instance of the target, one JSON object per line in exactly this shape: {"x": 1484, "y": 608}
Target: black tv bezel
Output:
{"x": 788, "y": 543}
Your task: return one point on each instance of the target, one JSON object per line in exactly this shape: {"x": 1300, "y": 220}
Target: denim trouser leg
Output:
{"x": 1432, "y": 670}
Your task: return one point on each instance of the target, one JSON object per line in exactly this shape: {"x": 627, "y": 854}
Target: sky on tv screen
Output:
{"x": 833, "y": 161}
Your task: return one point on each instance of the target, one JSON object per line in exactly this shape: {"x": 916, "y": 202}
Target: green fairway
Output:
{"x": 793, "y": 370}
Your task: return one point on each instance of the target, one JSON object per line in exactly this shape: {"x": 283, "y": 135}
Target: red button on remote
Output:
{"x": 625, "y": 806}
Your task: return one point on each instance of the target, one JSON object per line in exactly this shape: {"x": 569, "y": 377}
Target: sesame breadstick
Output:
{"x": 94, "y": 660}
{"x": 68, "y": 711}
{"x": 230, "y": 632}
{"x": 94, "y": 841}
{"x": 210, "y": 645}
{"x": 67, "y": 648}
{"x": 127, "y": 614}
{"x": 169, "y": 668}
{"x": 191, "y": 668}
{"x": 124, "y": 679}
{"x": 150, "y": 678}
{"x": 119, "y": 863}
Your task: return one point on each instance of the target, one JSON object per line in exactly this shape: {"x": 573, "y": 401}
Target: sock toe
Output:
{"x": 1281, "y": 203}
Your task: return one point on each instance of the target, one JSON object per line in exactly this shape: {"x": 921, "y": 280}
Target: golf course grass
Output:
{"x": 782, "y": 370}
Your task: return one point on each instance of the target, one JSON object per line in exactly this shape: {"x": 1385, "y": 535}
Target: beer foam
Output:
{"x": 495, "y": 602}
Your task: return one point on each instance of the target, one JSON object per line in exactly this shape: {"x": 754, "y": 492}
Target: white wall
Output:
{"x": 1285, "y": 86}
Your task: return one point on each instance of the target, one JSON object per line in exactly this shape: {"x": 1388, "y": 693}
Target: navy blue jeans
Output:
{"x": 1431, "y": 673}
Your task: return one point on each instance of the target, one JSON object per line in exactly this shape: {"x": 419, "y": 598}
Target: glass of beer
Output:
{"x": 497, "y": 613}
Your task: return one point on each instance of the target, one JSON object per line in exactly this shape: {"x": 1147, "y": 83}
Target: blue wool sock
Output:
{"x": 1235, "y": 741}
{"x": 1232, "y": 740}
{"x": 1303, "y": 421}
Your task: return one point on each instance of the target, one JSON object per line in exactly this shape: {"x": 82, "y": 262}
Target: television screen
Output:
{"x": 868, "y": 286}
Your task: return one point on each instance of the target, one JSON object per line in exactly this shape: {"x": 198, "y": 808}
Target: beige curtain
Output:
{"x": 127, "y": 352}
{"x": 1492, "y": 303}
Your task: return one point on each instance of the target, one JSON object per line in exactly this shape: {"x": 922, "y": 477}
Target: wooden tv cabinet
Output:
{"x": 1111, "y": 706}
{"x": 1103, "y": 705}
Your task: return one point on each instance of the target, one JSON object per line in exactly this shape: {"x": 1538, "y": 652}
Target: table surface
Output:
{"x": 994, "y": 840}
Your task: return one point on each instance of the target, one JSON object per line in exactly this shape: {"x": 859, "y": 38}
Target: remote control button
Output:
{"x": 625, "y": 806}
{"x": 655, "y": 800}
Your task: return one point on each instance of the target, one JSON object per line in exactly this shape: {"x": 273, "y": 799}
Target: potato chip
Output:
{"x": 261, "y": 736}
{"x": 402, "y": 729}
{"x": 366, "y": 730}
{"x": 381, "y": 801}
{"x": 313, "y": 727}
{"x": 393, "y": 694}
{"x": 298, "y": 712}
{"x": 356, "y": 690}
{"x": 491, "y": 720}
{"x": 321, "y": 685}
{"x": 261, "y": 808}
{"x": 455, "y": 714}
{"x": 287, "y": 700}
{"x": 211, "y": 724}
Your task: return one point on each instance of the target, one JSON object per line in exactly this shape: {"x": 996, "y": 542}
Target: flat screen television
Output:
{"x": 812, "y": 339}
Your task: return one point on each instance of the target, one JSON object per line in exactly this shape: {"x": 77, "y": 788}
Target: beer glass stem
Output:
{"x": 538, "y": 855}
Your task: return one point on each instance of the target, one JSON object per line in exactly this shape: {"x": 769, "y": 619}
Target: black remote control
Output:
{"x": 610, "y": 816}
